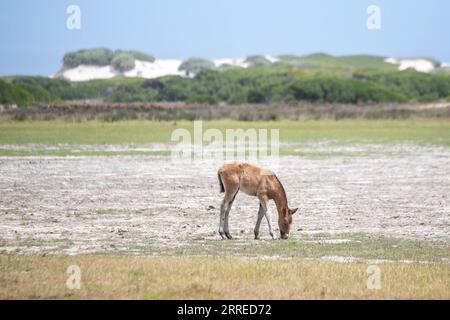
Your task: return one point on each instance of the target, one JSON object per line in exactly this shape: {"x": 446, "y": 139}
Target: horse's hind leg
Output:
{"x": 230, "y": 193}
{"x": 227, "y": 214}
{"x": 223, "y": 208}
{"x": 224, "y": 212}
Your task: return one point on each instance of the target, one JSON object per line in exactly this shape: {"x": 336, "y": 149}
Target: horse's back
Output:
{"x": 251, "y": 178}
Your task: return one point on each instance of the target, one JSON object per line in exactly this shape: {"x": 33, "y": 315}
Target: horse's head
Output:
{"x": 285, "y": 222}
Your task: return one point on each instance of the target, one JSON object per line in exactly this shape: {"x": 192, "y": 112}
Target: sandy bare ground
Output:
{"x": 128, "y": 204}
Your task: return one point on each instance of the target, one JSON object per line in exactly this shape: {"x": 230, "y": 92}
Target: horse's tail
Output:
{"x": 222, "y": 189}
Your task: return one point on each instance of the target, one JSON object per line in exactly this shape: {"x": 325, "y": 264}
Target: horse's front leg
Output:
{"x": 268, "y": 216}
{"x": 258, "y": 221}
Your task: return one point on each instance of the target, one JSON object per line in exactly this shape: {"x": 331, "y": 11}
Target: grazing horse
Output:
{"x": 257, "y": 182}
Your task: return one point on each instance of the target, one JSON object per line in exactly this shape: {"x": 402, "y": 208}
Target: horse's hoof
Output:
{"x": 229, "y": 236}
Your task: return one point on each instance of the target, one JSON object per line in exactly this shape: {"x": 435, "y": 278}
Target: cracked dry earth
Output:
{"x": 145, "y": 204}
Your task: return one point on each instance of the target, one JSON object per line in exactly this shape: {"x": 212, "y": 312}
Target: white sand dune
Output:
{"x": 420, "y": 65}
{"x": 143, "y": 69}
{"x": 88, "y": 72}
{"x": 158, "y": 68}
{"x": 238, "y": 62}
{"x": 165, "y": 67}
{"x": 272, "y": 59}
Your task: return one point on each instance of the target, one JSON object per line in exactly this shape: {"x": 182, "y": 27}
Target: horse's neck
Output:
{"x": 279, "y": 197}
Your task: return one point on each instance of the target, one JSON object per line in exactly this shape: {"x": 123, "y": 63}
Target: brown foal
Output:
{"x": 258, "y": 182}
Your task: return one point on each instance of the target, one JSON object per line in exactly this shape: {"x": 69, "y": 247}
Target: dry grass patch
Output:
{"x": 118, "y": 277}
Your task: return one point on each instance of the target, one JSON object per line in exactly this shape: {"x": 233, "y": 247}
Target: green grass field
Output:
{"x": 419, "y": 131}
{"x": 359, "y": 246}
{"x": 63, "y": 137}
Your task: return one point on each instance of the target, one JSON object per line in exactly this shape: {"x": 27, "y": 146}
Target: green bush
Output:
{"x": 39, "y": 94}
{"x": 416, "y": 85}
{"x": 175, "y": 88}
{"x": 141, "y": 56}
{"x": 343, "y": 90}
{"x": 195, "y": 65}
{"x": 103, "y": 57}
{"x": 123, "y": 62}
{"x": 98, "y": 57}
{"x": 227, "y": 66}
{"x": 132, "y": 93}
{"x": 24, "y": 93}
{"x": 137, "y": 55}
{"x": 11, "y": 94}
{"x": 43, "y": 89}
{"x": 255, "y": 96}
{"x": 258, "y": 61}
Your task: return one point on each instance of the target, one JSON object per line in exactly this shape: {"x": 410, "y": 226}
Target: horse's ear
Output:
{"x": 292, "y": 211}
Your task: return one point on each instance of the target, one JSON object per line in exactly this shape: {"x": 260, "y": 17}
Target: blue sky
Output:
{"x": 34, "y": 37}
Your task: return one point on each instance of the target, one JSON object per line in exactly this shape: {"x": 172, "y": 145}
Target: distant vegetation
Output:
{"x": 138, "y": 55}
{"x": 25, "y": 93}
{"x": 258, "y": 61}
{"x": 195, "y": 65}
{"x": 121, "y": 60}
{"x": 12, "y": 94}
{"x": 99, "y": 57}
{"x": 324, "y": 60}
{"x": 317, "y": 78}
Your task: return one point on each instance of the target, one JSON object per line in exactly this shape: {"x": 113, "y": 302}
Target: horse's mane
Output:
{"x": 282, "y": 189}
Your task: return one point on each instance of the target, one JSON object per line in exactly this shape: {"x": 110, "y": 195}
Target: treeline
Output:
{"x": 237, "y": 86}
{"x": 27, "y": 93}
{"x": 121, "y": 60}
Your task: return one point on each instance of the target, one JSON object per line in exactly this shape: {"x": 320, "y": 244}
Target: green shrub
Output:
{"x": 123, "y": 62}
{"x": 103, "y": 57}
{"x": 11, "y": 94}
{"x": 137, "y": 55}
{"x": 39, "y": 94}
{"x": 227, "y": 66}
{"x": 141, "y": 56}
{"x": 258, "y": 61}
{"x": 97, "y": 56}
{"x": 175, "y": 88}
{"x": 239, "y": 97}
{"x": 415, "y": 85}
{"x": 130, "y": 92}
{"x": 42, "y": 89}
{"x": 195, "y": 65}
{"x": 343, "y": 90}
{"x": 255, "y": 96}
